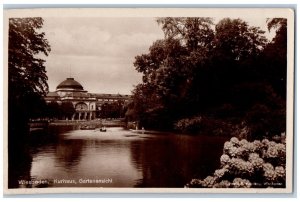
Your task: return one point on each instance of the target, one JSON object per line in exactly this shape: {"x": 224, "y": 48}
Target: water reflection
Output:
{"x": 127, "y": 158}
{"x": 175, "y": 159}
{"x": 19, "y": 165}
{"x": 68, "y": 153}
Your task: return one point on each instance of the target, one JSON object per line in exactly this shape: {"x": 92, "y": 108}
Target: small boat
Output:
{"x": 103, "y": 129}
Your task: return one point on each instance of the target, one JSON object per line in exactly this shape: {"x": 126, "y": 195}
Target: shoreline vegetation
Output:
{"x": 97, "y": 123}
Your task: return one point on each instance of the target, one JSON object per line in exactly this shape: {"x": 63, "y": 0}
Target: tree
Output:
{"x": 269, "y": 115}
{"x": 194, "y": 33}
{"x": 53, "y": 110}
{"x": 27, "y": 79}
{"x": 67, "y": 109}
{"x": 169, "y": 67}
{"x": 237, "y": 40}
{"x": 27, "y": 83}
{"x": 274, "y": 59}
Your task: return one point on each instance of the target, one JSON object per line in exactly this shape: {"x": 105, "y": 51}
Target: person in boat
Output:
{"x": 103, "y": 129}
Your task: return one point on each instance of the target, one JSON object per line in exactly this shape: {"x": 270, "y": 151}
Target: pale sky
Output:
{"x": 99, "y": 52}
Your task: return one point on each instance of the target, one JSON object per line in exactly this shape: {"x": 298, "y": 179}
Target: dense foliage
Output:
{"x": 227, "y": 72}
{"x": 112, "y": 110}
{"x": 53, "y": 110}
{"x": 27, "y": 79}
{"x": 257, "y": 164}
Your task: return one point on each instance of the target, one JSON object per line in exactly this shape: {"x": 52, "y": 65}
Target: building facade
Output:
{"x": 88, "y": 106}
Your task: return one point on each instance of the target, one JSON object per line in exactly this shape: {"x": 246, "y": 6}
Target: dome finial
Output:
{"x": 70, "y": 71}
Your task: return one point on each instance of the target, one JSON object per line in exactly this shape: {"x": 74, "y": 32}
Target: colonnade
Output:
{"x": 88, "y": 115}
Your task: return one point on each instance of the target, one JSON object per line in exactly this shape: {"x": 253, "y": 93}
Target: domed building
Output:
{"x": 88, "y": 106}
{"x": 69, "y": 85}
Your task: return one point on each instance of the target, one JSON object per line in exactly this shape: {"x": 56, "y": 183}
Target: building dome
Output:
{"x": 69, "y": 84}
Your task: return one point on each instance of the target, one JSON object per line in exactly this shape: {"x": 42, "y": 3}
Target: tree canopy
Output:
{"x": 220, "y": 72}
{"x": 26, "y": 70}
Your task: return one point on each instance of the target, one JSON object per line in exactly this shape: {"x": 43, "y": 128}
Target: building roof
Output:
{"x": 77, "y": 94}
{"x": 70, "y": 83}
{"x": 111, "y": 96}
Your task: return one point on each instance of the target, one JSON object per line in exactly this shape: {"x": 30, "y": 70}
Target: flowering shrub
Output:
{"x": 244, "y": 164}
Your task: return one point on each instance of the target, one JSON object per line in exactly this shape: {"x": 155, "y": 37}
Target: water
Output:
{"x": 117, "y": 158}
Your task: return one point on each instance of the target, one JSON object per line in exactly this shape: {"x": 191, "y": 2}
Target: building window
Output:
{"x": 81, "y": 106}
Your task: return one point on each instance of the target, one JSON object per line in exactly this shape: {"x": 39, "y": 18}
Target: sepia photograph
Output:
{"x": 148, "y": 100}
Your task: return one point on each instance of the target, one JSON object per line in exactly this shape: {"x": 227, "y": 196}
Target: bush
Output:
{"x": 257, "y": 164}
{"x": 206, "y": 125}
{"x": 189, "y": 124}
{"x": 264, "y": 122}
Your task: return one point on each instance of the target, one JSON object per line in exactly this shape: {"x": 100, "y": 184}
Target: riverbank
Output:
{"x": 95, "y": 123}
